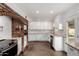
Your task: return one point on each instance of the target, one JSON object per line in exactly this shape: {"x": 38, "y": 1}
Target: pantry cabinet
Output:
{"x": 58, "y": 43}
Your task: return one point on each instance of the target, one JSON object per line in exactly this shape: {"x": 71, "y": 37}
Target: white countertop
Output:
{"x": 74, "y": 45}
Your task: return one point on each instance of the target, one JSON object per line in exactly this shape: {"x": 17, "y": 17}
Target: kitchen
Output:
{"x": 57, "y": 27}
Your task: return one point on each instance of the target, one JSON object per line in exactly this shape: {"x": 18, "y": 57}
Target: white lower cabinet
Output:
{"x": 72, "y": 51}
{"x": 58, "y": 43}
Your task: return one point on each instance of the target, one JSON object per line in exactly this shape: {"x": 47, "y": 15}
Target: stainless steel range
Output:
{"x": 8, "y": 47}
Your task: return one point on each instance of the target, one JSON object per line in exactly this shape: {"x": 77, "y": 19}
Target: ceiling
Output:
{"x": 44, "y": 10}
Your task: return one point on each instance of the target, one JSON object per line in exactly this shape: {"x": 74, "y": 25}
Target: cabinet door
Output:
{"x": 58, "y": 43}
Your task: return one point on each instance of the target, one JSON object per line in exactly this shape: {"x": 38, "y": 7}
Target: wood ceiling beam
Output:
{"x": 7, "y": 11}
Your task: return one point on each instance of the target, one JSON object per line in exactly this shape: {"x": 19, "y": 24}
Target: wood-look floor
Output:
{"x": 41, "y": 49}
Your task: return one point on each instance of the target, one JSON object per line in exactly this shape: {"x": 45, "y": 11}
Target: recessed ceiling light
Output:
{"x": 51, "y": 12}
{"x": 37, "y": 12}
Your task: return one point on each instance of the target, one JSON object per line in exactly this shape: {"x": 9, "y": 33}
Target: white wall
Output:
{"x": 39, "y": 30}
{"x": 6, "y": 22}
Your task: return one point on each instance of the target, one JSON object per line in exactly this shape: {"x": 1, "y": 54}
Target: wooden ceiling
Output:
{"x": 7, "y": 11}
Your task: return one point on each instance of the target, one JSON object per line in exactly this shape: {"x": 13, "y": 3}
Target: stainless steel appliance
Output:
{"x": 8, "y": 47}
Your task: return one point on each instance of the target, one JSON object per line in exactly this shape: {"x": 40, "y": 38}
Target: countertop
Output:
{"x": 74, "y": 45}
{"x": 56, "y": 34}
